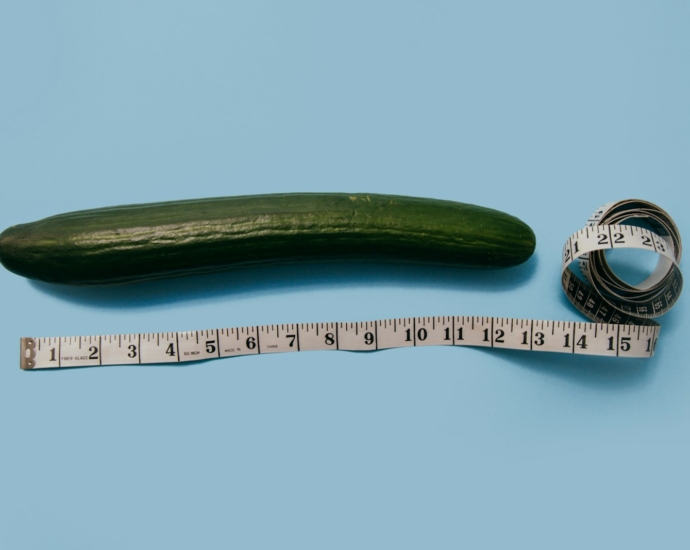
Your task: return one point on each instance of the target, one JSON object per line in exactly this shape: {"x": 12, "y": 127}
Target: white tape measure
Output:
{"x": 621, "y": 313}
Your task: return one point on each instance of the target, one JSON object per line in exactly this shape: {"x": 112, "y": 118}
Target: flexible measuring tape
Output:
{"x": 621, "y": 313}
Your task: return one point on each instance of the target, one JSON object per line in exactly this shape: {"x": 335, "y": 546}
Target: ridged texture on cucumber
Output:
{"x": 144, "y": 241}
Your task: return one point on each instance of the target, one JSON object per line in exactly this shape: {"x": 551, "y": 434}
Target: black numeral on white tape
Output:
{"x": 621, "y": 313}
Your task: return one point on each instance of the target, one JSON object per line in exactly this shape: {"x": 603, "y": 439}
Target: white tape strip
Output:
{"x": 621, "y": 313}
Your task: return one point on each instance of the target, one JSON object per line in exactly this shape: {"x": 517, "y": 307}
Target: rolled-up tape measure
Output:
{"x": 621, "y": 313}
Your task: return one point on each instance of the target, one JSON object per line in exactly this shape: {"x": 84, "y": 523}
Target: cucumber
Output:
{"x": 137, "y": 242}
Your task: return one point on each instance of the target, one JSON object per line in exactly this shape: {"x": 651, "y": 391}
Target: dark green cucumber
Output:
{"x": 146, "y": 241}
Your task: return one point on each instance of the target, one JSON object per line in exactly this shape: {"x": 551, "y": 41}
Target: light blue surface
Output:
{"x": 541, "y": 109}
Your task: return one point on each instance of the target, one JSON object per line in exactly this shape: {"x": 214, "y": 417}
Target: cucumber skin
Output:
{"x": 138, "y": 242}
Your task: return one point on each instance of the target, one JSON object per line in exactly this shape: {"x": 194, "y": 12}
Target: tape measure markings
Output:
{"x": 603, "y": 296}
{"x": 495, "y": 332}
{"x": 621, "y": 313}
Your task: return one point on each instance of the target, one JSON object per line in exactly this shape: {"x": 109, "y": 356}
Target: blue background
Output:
{"x": 541, "y": 109}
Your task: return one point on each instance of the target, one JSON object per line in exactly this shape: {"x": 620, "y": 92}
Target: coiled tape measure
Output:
{"x": 621, "y": 314}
